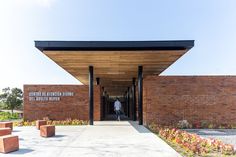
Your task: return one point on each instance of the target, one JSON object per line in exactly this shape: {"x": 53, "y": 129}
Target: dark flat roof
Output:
{"x": 115, "y": 45}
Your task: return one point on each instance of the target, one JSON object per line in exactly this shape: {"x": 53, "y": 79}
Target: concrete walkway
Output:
{"x": 104, "y": 139}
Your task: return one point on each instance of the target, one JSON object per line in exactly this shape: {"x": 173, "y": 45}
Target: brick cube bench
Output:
{"x": 6, "y": 125}
{"x": 9, "y": 143}
{"x": 5, "y": 131}
{"x": 47, "y": 130}
{"x": 40, "y": 122}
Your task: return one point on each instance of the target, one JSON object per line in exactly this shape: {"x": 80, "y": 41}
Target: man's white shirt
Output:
{"x": 117, "y": 105}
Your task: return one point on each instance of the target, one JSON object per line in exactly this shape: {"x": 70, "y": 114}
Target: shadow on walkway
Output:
{"x": 139, "y": 128}
{"x": 134, "y": 124}
{"x": 22, "y": 151}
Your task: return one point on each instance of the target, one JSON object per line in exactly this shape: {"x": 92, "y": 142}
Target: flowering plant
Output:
{"x": 193, "y": 143}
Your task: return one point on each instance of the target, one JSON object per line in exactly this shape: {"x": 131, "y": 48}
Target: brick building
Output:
{"x": 129, "y": 70}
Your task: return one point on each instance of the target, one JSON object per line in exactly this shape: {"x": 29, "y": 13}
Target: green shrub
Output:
{"x": 204, "y": 124}
{"x": 183, "y": 124}
{"x": 8, "y": 116}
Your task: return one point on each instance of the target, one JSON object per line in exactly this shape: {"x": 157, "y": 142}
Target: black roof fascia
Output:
{"x": 114, "y": 45}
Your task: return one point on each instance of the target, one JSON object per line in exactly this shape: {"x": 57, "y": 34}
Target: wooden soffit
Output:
{"x": 115, "y": 68}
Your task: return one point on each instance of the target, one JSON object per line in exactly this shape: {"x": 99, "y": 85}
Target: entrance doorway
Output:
{"x": 107, "y": 106}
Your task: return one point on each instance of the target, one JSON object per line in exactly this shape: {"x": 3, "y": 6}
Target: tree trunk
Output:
{"x": 12, "y": 111}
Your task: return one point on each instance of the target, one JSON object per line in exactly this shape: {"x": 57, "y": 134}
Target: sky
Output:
{"x": 211, "y": 23}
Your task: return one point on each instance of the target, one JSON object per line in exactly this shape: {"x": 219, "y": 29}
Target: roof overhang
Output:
{"x": 115, "y": 62}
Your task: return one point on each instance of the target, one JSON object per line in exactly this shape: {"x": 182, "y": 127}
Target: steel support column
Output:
{"x": 134, "y": 100}
{"x": 140, "y": 95}
{"x": 90, "y": 95}
{"x": 98, "y": 81}
{"x": 128, "y": 102}
{"x": 103, "y": 104}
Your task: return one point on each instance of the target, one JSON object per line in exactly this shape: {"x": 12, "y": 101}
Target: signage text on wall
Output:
{"x": 48, "y": 96}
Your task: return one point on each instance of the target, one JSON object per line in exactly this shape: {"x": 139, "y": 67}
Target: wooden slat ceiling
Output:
{"x": 114, "y": 68}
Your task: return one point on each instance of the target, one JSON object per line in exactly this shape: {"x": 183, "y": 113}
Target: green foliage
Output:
{"x": 11, "y": 98}
{"x": 2, "y": 105}
{"x": 8, "y": 116}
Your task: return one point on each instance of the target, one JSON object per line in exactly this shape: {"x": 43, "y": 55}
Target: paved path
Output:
{"x": 104, "y": 139}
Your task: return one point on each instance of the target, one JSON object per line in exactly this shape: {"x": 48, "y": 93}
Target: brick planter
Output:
{"x": 40, "y": 123}
{"x": 5, "y": 131}
{"x": 47, "y": 130}
{"x": 6, "y": 125}
{"x": 9, "y": 143}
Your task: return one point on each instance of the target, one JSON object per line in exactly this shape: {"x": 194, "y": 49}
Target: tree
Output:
{"x": 12, "y": 98}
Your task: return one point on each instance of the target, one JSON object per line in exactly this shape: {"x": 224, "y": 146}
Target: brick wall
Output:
{"x": 168, "y": 99}
{"x": 75, "y": 107}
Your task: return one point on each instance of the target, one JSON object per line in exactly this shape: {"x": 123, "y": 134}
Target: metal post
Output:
{"x": 140, "y": 94}
{"x": 90, "y": 95}
{"x": 128, "y": 98}
{"x": 125, "y": 108}
{"x": 98, "y": 81}
{"x": 134, "y": 100}
{"x": 103, "y": 103}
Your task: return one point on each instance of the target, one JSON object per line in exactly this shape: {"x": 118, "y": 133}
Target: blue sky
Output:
{"x": 211, "y": 23}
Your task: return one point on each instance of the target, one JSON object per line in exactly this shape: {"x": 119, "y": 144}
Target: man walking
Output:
{"x": 117, "y": 108}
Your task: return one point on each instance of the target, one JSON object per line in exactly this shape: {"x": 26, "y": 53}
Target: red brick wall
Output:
{"x": 74, "y": 107}
{"x": 168, "y": 99}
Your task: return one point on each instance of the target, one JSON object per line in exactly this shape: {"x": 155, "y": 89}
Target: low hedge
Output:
{"x": 53, "y": 122}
